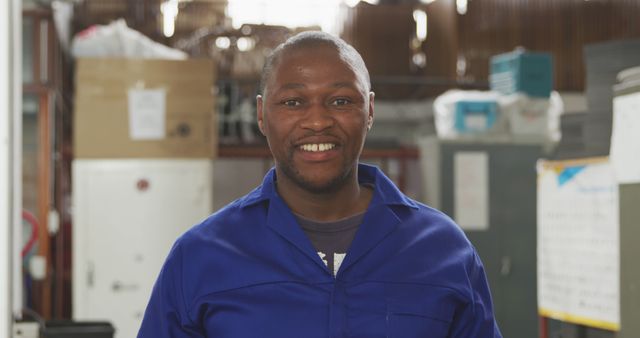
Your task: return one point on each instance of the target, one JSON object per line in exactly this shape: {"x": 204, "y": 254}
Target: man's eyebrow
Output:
{"x": 297, "y": 85}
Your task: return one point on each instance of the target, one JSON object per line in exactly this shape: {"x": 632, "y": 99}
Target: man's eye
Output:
{"x": 291, "y": 103}
{"x": 341, "y": 102}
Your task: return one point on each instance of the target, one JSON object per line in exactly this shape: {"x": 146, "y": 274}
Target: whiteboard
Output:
{"x": 578, "y": 243}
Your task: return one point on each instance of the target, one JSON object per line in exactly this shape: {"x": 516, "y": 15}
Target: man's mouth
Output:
{"x": 316, "y": 147}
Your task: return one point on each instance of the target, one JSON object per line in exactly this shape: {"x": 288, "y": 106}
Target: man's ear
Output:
{"x": 260, "y": 113}
{"x": 370, "y": 113}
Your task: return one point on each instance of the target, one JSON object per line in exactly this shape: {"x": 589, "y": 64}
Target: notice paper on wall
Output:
{"x": 147, "y": 110}
{"x": 578, "y": 244}
{"x": 625, "y": 139}
{"x": 471, "y": 189}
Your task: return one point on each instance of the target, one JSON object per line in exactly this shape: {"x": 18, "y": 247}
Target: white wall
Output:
{"x": 10, "y": 127}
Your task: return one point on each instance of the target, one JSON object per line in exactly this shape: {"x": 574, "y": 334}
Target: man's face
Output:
{"x": 315, "y": 114}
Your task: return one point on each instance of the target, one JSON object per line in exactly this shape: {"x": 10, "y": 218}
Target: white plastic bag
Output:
{"x": 535, "y": 117}
{"x": 118, "y": 40}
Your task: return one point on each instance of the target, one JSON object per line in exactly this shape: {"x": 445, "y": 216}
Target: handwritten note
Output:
{"x": 578, "y": 245}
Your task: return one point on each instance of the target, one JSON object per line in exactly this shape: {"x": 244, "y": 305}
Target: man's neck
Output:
{"x": 348, "y": 200}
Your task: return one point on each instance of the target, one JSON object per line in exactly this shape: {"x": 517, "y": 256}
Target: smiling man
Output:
{"x": 326, "y": 246}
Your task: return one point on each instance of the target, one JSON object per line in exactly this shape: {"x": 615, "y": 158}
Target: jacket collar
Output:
{"x": 379, "y": 220}
{"x": 385, "y": 191}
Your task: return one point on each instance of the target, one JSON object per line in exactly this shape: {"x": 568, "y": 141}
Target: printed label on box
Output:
{"x": 147, "y": 111}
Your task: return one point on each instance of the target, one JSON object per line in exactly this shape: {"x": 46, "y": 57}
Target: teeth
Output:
{"x": 317, "y": 147}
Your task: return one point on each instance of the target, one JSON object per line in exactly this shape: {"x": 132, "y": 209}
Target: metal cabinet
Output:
{"x": 507, "y": 245}
{"x": 127, "y": 215}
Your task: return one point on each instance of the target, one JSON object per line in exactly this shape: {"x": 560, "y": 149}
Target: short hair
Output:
{"x": 310, "y": 39}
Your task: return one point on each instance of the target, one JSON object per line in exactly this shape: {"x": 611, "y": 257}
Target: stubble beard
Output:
{"x": 289, "y": 169}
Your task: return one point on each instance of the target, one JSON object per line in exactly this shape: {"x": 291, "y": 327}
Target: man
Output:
{"x": 325, "y": 247}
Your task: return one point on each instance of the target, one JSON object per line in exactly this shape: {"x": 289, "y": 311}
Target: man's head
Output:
{"x": 312, "y": 39}
{"x": 315, "y": 109}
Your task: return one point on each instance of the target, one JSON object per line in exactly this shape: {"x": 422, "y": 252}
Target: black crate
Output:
{"x": 72, "y": 329}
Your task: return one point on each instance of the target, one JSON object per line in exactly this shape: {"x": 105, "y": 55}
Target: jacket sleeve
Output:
{"x": 476, "y": 319}
{"x": 167, "y": 314}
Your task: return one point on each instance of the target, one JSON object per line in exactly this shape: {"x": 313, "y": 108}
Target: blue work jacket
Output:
{"x": 249, "y": 271}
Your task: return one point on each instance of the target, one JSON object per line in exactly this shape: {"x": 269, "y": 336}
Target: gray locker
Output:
{"x": 508, "y": 246}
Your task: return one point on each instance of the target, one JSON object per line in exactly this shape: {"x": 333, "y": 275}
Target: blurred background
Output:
{"x": 136, "y": 119}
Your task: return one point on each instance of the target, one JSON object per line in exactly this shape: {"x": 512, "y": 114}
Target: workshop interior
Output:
{"x": 125, "y": 122}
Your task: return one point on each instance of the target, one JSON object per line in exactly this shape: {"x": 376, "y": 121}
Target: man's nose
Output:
{"x": 318, "y": 118}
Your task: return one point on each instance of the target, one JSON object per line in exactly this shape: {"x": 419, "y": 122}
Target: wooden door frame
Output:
{"x": 41, "y": 87}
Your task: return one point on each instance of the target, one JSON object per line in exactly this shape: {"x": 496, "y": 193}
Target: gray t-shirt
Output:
{"x": 331, "y": 239}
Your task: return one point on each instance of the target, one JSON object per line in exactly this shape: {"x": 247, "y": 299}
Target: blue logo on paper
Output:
{"x": 568, "y": 173}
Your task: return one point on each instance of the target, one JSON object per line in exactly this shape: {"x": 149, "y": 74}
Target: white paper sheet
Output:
{"x": 625, "y": 138}
{"x": 147, "y": 114}
{"x": 471, "y": 194}
{"x": 578, "y": 245}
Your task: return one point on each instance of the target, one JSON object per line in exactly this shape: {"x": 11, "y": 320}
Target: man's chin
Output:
{"x": 324, "y": 189}
{"x": 320, "y": 185}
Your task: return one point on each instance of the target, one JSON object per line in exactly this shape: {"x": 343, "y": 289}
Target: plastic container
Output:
{"x": 459, "y": 112}
{"x": 522, "y": 72}
{"x": 475, "y": 116}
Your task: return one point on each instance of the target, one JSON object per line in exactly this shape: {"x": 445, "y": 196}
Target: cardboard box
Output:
{"x": 103, "y": 127}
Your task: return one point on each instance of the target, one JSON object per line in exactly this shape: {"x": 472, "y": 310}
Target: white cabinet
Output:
{"x": 127, "y": 214}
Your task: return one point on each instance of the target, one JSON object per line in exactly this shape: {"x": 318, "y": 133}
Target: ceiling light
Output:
{"x": 223, "y": 42}
{"x": 420, "y": 17}
{"x": 245, "y": 44}
{"x": 461, "y": 5}
{"x": 352, "y": 3}
{"x": 419, "y": 59}
{"x": 169, "y": 11}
